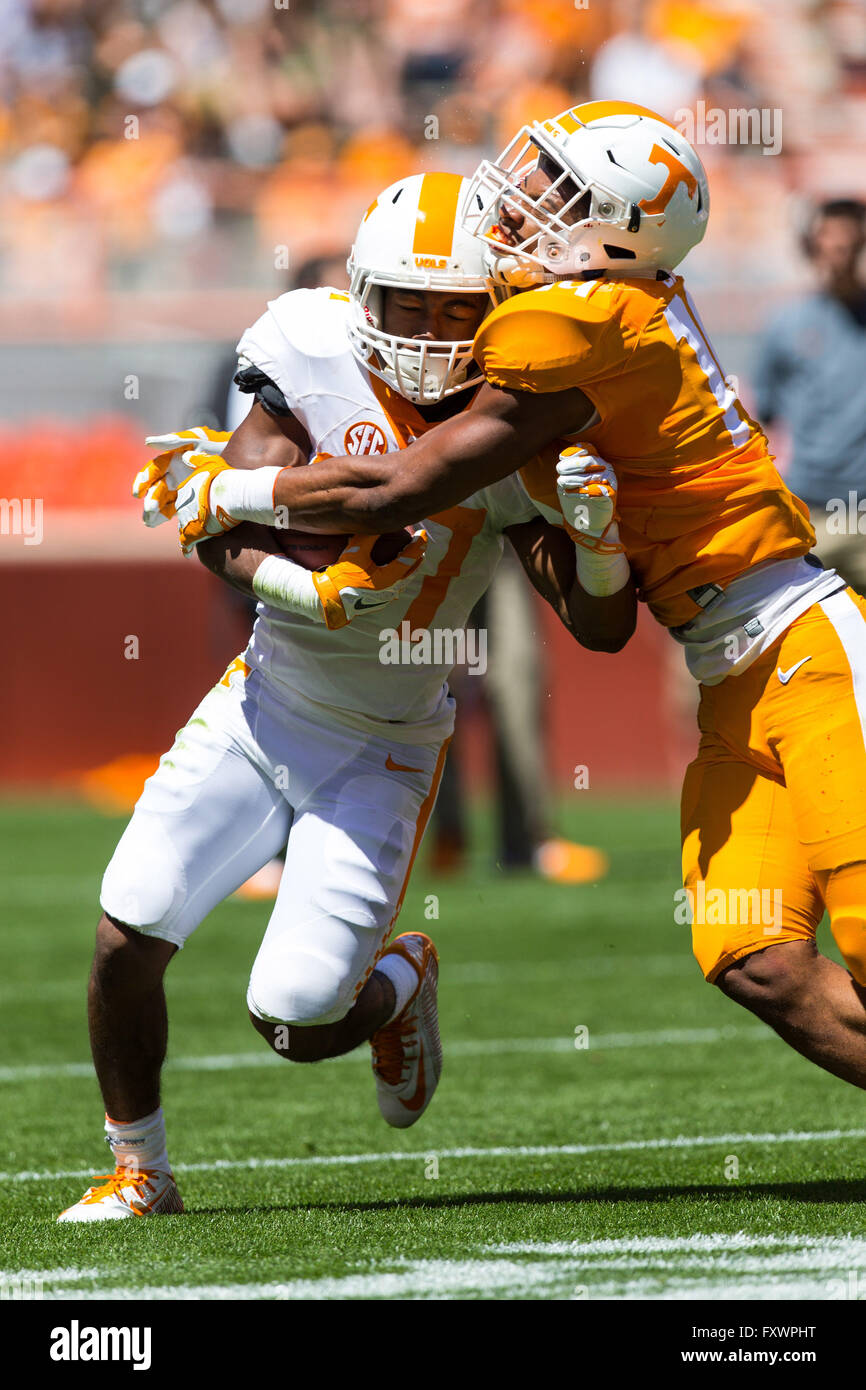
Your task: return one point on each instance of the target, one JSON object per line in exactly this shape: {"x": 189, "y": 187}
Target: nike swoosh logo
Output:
{"x": 785, "y": 676}
{"x": 359, "y": 604}
{"x": 182, "y": 501}
{"x": 420, "y": 1095}
{"x": 400, "y": 767}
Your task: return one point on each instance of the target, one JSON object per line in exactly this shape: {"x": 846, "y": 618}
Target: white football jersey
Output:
{"x": 390, "y": 667}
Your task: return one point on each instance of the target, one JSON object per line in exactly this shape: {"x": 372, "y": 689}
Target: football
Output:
{"x": 316, "y": 552}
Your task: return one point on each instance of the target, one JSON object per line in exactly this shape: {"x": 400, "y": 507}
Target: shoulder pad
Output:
{"x": 547, "y": 339}
{"x": 296, "y": 329}
{"x": 313, "y": 321}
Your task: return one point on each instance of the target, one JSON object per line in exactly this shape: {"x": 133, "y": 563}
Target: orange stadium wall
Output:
{"x": 73, "y": 701}
{"x": 76, "y": 700}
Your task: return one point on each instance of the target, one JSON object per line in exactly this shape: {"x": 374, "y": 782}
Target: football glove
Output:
{"x": 356, "y": 583}
{"x": 157, "y": 484}
{"x": 197, "y": 508}
{"x": 353, "y": 584}
{"x": 586, "y": 486}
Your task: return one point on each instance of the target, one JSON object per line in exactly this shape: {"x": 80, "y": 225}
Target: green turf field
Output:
{"x": 685, "y": 1153}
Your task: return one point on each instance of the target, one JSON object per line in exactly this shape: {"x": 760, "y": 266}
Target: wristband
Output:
{"x": 247, "y": 494}
{"x": 603, "y": 569}
{"x": 288, "y": 586}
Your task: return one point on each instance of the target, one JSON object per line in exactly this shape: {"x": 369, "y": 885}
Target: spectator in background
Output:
{"x": 811, "y": 376}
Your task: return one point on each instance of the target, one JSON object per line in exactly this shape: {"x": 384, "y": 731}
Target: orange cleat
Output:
{"x": 407, "y": 1053}
{"x": 115, "y": 1196}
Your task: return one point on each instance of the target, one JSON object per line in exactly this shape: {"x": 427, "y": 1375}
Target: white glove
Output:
{"x": 587, "y": 486}
{"x": 157, "y": 484}
{"x": 216, "y": 497}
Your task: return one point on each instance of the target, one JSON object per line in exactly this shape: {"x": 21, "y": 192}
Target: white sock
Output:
{"x": 138, "y": 1144}
{"x": 403, "y": 976}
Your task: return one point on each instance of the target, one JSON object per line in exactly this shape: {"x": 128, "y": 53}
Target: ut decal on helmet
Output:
{"x": 411, "y": 237}
{"x": 627, "y": 194}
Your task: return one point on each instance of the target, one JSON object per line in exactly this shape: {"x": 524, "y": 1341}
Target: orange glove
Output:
{"x": 355, "y": 582}
{"x": 158, "y": 482}
{"x": 351, "y": 585}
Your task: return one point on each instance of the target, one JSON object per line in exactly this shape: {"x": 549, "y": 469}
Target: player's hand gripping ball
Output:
{"x": 370, "y": 572}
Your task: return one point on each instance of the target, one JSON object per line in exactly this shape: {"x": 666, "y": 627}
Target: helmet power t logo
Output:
{"x": 677, "y": 174}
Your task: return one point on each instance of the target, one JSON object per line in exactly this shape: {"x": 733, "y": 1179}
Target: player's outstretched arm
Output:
{"x": 498, "y": 434}
{"x": 547, "y": 553}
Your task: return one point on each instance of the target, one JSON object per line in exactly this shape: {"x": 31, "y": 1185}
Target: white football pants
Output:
{"x": 257, "y": 766}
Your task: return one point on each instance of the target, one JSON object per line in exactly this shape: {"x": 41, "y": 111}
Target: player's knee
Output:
{"x": 299, "y": 987}
{"x": 298, "y": 1043}
{"x": 846, "y": 903}
{"x": 123, "y": 954}
{"x": 770, "y": 981}
{"x": 144, "y": 881}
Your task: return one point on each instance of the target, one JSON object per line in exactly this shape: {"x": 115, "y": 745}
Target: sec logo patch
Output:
{"x": 365, "y": 438}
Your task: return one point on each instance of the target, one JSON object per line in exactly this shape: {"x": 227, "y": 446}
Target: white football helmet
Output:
{"x": 411, "y": 237}
{"x": 634, "y": 196}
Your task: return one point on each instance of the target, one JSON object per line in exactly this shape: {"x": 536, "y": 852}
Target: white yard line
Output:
{"x": 848, "y": 1248}
{"x": 480, "y": 1047}
{"x": 678, "y": 1142}
{"x": 65, "y": 1275}
{"x": 710, "y": 1266}
{"x": 449, "y": 1280}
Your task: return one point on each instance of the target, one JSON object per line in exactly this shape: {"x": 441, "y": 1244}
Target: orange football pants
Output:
{"x": 774, "y": 804}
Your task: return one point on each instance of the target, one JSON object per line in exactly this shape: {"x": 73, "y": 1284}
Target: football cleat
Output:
{"x": 407, "y": 1052}
{"x": 117, "y": 1195}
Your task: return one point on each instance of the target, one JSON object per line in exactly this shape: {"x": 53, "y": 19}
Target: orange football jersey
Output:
{"x": 700, "y": 499}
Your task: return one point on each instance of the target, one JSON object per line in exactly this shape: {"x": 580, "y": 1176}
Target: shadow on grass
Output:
{"x": 847, "y": 1190}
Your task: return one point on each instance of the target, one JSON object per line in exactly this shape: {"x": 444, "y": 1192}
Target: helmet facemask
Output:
{"x": 423, "y": 371}
{"x": 565, "y": 220}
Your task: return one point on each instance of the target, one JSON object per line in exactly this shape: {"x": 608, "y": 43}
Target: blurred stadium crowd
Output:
{"x": 148, "y": 144}
{"x": 168, "y": 165}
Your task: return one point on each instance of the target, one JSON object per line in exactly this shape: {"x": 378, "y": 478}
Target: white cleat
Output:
{"x": 407, "y": 1053}
{"x": 115, "y": 1196}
